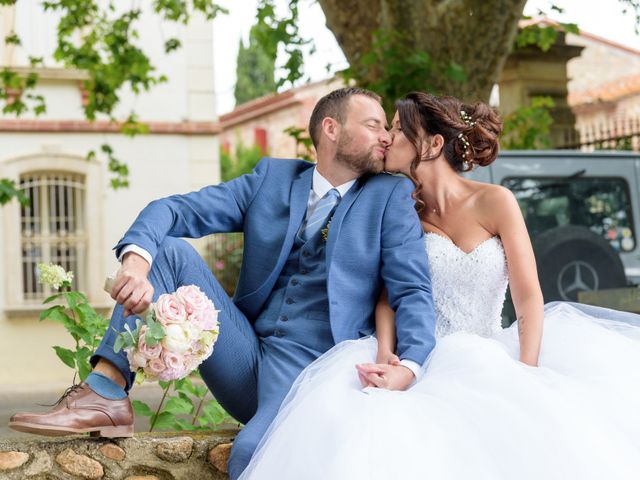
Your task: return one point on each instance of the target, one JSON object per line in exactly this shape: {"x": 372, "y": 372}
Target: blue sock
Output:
{"x": 105, "y": 387}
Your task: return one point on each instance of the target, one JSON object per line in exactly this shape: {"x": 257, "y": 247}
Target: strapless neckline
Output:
{"x": 477, "y": 247}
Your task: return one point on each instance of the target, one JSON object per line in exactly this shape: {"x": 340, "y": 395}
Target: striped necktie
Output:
{"x": 319, "y": 216}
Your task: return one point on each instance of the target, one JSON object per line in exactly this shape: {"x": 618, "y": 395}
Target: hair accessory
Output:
{"x": 466, "y": 118}
{"x": 465, "y": 144}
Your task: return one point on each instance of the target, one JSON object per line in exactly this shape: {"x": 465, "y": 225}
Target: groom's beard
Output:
{"x": 359, "y": 162}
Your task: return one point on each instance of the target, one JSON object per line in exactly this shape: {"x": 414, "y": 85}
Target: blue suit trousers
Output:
{"x": 249, "y": 375}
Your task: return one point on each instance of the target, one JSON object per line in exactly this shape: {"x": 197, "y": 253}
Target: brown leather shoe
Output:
{"x": 79, "y": 410}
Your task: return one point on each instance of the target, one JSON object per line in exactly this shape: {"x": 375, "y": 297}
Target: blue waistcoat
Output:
{"x": 298, "y": 307}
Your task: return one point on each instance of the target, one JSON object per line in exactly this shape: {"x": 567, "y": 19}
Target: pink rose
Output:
{"x": 169, "y": 374}
{"x": 205, "y": 319}
{"x": 192, "y": 298}
{"x": 150, "y": 352}
{"x": 136, "y": 359}
{"x": 175, "y": 366}
{"x": 192, "y": 362}
{"x": 170, "y": 310}
{"x": 155, "y": 367}
{"x": 172, "y": 359}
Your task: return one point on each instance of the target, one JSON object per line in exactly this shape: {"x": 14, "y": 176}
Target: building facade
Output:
{"x": 263, "y": 121}
{"x": 75, "y": 217}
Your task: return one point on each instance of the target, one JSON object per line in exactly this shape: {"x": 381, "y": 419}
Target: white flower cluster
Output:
{"x": 53, "y": 275}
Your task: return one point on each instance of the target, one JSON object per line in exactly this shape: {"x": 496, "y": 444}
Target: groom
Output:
{"x": 320, "y": 242}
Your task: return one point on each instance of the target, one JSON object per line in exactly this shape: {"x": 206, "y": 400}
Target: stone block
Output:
{"x": 175, "y": 450}
{"x": 79, "y": 465}
{"x": 11, "y": 460}
{"x": 113, "y": 452}
{"x": 219, "y": 456}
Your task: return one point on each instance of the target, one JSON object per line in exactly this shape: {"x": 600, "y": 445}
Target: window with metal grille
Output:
{"x": 52, "y": 229}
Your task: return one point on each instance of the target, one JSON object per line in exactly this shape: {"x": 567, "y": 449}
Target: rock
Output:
{"x": 41, "y": 463}
{"x": 79, "y": 465}
{"x": 175, "y": 449}
{"x": 142, "y": 477}
{"x": 113, "y": 452}
{"x": 219, "y": 456}
{"x": 11, "y": 460}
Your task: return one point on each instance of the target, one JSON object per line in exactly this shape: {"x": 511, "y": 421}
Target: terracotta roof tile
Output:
{"x": 607, "y": 92}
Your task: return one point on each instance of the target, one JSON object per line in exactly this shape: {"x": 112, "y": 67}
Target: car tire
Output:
{"x": 571, "y": 259}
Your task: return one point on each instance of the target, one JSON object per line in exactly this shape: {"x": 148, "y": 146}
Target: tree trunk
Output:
{"x": 478, "y": 35}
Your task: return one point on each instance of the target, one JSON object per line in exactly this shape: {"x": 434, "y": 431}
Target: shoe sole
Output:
{"x": 121, "y": 431}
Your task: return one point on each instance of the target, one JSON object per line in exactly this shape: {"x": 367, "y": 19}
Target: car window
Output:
{"x": 601, "y": 204}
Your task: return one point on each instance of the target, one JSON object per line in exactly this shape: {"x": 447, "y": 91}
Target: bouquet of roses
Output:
{"x": 173, "y": 337}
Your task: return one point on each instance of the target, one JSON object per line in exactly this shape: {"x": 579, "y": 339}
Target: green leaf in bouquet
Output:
{"x": 119, "y": 343}
{"x": 140, "y": 377}
{"x": 141, "y": 408}
{"x": 164, "y": 421}
{"x": 178, "y": 406}
{"x": 132, "y": 335}
{"x": 155, "y": 333}
{"x": 66, "y": 355}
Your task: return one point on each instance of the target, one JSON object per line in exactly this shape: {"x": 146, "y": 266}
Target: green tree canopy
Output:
{"x": 255, "y": 71}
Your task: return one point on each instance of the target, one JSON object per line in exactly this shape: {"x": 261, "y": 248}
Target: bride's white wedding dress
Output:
{"x": 476, "y": 412}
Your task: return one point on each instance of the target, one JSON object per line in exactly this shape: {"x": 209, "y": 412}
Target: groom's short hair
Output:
{"x": 333, "y": 105}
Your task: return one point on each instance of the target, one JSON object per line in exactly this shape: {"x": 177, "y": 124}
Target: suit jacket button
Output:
{"x": 290, "y": 301}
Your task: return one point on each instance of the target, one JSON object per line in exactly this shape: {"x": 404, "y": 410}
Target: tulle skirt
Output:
{"x": 475, "y": 413}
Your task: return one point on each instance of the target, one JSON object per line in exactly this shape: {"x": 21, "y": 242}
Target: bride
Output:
{"x": 490, "y": 403}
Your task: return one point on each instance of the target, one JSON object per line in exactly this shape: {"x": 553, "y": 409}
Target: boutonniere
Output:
{"x": 325, "y": 231}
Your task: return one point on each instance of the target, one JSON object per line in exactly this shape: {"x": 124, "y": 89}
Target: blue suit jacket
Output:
{"x": 375, "y": 240}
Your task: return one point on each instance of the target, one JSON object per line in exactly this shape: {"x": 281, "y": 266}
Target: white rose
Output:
{"x": 175, "y": 339}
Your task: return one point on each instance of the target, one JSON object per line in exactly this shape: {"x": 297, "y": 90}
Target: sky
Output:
{"x": 600, "y": 17}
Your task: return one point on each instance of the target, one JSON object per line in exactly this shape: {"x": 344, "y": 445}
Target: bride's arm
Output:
{"x": 509, "y": 224}
{"x": 385, "y": 330}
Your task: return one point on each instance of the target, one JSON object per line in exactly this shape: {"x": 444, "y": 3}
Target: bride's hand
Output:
{"x": 391, "y": 377}
{"x": 387, "y": 357}
{"x": 384, "y": 357}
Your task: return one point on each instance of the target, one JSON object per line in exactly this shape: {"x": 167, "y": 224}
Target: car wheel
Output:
{"x": 572, "y": 259}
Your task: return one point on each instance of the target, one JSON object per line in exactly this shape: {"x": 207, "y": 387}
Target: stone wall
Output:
{"x": 146, "y": 456}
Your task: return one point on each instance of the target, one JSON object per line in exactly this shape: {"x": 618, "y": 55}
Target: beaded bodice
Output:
{"x": 468, "y": 288}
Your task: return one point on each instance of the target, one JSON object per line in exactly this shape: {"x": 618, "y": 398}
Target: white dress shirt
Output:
{"x": 319, "y": 189}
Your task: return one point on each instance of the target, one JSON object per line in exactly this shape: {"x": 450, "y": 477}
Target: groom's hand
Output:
{"x": 391, "y": 377}
{"x": 131, "y": 289}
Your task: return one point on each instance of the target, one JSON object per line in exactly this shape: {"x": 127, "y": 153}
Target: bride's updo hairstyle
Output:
{"x": 470, "y": 132}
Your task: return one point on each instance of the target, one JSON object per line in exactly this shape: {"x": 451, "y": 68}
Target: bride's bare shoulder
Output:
{"x": 495, "y": 203}
{"x": 489, "y": 195}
